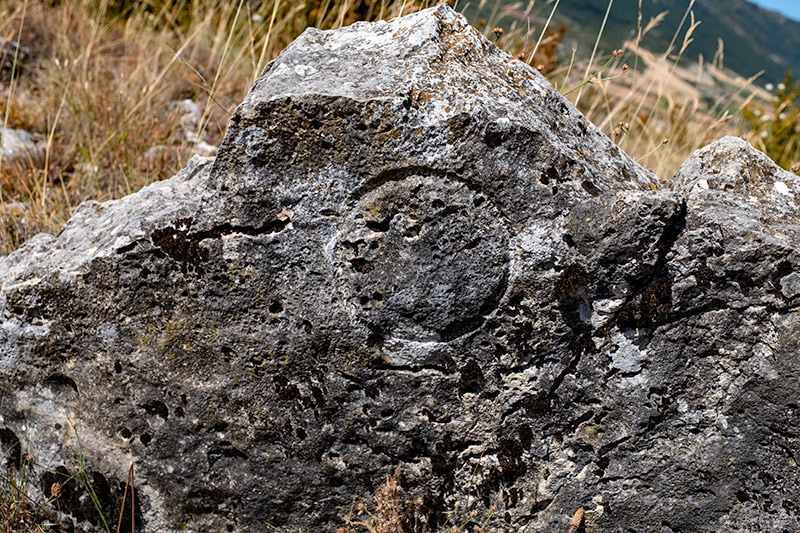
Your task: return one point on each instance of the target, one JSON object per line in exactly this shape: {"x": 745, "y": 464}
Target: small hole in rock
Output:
{"x": 61, "y": 384}
{"x": 117, "y": 367}
{"x": 380, "y": 226}
{"x": 275, "y": 308}
{"x": 146, "y": 438}
{"x": 125, "y": 432}
{"x": 156, "y": 408}
{"x": 472, "y": 244}
{"x": 362, "y": 265}
{"x": 413, "y": 231}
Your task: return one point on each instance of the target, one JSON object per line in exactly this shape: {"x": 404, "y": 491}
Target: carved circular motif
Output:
{"x": 427, "y": 258}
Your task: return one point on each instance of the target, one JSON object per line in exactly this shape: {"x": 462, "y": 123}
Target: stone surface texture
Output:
{"x": 411, "y": 251}
{"x": 22, "y": 147}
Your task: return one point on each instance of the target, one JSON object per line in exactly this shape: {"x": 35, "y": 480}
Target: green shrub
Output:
{"x": 776, "y": 128}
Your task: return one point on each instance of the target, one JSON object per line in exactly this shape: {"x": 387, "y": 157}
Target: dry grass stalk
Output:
{"x": 577, "y": 520}
{"x": 97, "y": 85}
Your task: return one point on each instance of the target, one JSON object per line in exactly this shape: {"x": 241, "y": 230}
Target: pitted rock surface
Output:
{"x": 410, "y": 244}
{"x": 411, "y": 251}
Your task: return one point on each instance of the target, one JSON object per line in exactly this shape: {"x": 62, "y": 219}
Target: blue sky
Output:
{"x": 790, "y": 8}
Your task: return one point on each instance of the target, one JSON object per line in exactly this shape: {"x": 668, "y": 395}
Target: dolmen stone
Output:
{"x": 411, "y": 251}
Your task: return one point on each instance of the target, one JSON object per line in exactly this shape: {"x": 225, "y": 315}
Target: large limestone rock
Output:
{"x": 412, "y": 251}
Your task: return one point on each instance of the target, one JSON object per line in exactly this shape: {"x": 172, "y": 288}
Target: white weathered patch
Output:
{"x": 790, "y": 285}
{"x": 533, "y": 248}
{"x": 13, "y": 332}
{"x": 782, "y": 188}
{"x": 304, "y": 70}
{"x": 628, "y": 357}
{"x": 607, "y": 305}
{"x": 503, "y": 124}
{"x": 603, "y": 309}
{"x": 330, "y": 248}
{"x": 121, "y": 242}
{"x": 599, "y": 508}
{"x": 703, "y": 184}
{"x": 413, "y": 352}
{"x": 108, "y": 332}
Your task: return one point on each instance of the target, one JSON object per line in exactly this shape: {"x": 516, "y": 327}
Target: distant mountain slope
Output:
{"x": 755, "y": 38}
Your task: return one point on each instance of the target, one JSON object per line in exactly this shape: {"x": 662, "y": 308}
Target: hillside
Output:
{"x": 754, "y": 38}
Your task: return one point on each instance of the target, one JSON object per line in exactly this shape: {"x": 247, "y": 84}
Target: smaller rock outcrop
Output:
{"x": 22, "y": 147}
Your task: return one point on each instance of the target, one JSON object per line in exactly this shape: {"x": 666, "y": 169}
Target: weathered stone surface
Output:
{"x": 12, "y": 58}
{"x": 20, "y": 146}
{"x": 410, "y": 250}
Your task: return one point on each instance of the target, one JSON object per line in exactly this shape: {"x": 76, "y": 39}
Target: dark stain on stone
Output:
{"x": 494, "y": 135}
{"x": 568, "y": 287}
{"x": 223, "y": 449}
{"x": 782, "y": 269}
{"x": 704, "y": 275}
{"x": 649, "y": 306}
{"x": 362, "y": 265}
{"x": 470, "y": 377}
{"x": 538, "y": 402}
{"x": 285, "y": 390}
{"x": 11, "y": 448}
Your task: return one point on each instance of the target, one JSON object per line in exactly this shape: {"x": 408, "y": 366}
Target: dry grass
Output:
{"x": 642, "y": 98}
{"x": 31, "y": 495}
{"x": 18, "y": 510}
{"x": 393, "y": 512}
{"x": 100, "y": 75}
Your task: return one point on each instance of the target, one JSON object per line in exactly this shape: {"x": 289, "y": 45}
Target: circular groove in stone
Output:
{"x": 426, "y": 257}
